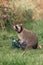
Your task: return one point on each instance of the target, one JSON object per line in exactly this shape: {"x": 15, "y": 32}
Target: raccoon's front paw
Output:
{"x": 18, "y": 39}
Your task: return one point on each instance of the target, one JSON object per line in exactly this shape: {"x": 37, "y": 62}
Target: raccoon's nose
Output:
{"x": 14, "y": 27}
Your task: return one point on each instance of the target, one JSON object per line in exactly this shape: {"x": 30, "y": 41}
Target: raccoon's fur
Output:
{"x": 28, "y": 36}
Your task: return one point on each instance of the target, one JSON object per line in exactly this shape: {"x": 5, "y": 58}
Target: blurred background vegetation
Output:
{"x": 14, "y": 11}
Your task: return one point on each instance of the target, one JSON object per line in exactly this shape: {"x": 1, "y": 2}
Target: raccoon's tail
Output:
{"x": 39, "y": 47}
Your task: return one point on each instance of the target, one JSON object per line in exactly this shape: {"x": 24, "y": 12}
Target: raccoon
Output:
{"x": 28, "y": 36}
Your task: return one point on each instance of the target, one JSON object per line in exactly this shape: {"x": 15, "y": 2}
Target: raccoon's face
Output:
{"x": 18, "y": 28}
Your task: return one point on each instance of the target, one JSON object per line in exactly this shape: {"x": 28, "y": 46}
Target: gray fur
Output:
{"x": 29, "y": 37}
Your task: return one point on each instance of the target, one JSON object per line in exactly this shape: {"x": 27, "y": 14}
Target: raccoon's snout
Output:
{"x": 14, "y": 28}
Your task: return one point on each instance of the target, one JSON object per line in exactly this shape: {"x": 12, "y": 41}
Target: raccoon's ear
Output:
{"x": 21, "y": 24}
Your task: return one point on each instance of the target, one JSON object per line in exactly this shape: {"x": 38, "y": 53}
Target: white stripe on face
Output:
{"x": 18, "y": 27}
{"x": 14, "y": 27}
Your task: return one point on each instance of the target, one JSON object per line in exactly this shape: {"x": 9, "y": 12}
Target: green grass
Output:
{"x": 11, "y": 56}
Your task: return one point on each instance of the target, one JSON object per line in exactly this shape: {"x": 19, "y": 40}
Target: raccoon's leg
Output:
{"x": 39, "y": 47}
{"x": 28, "y": 47}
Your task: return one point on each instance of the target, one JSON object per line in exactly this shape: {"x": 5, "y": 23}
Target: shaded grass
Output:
{"x": 11, "y": 56}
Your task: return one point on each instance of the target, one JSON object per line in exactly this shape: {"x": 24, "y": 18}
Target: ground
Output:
{"x": 11, "y": 56}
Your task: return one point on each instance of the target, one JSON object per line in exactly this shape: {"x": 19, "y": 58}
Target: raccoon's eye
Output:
{"x": 16, "y": 27}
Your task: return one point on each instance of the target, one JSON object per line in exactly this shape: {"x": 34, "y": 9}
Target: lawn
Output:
{"x": 11, "y": 56}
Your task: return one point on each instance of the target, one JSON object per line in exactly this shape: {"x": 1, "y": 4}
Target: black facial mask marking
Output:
{"x": 16, "y": 27}
{"x": 20, "y": 29}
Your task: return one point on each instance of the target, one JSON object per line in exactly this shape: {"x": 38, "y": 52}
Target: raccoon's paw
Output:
{"x": 39, "y": 47}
